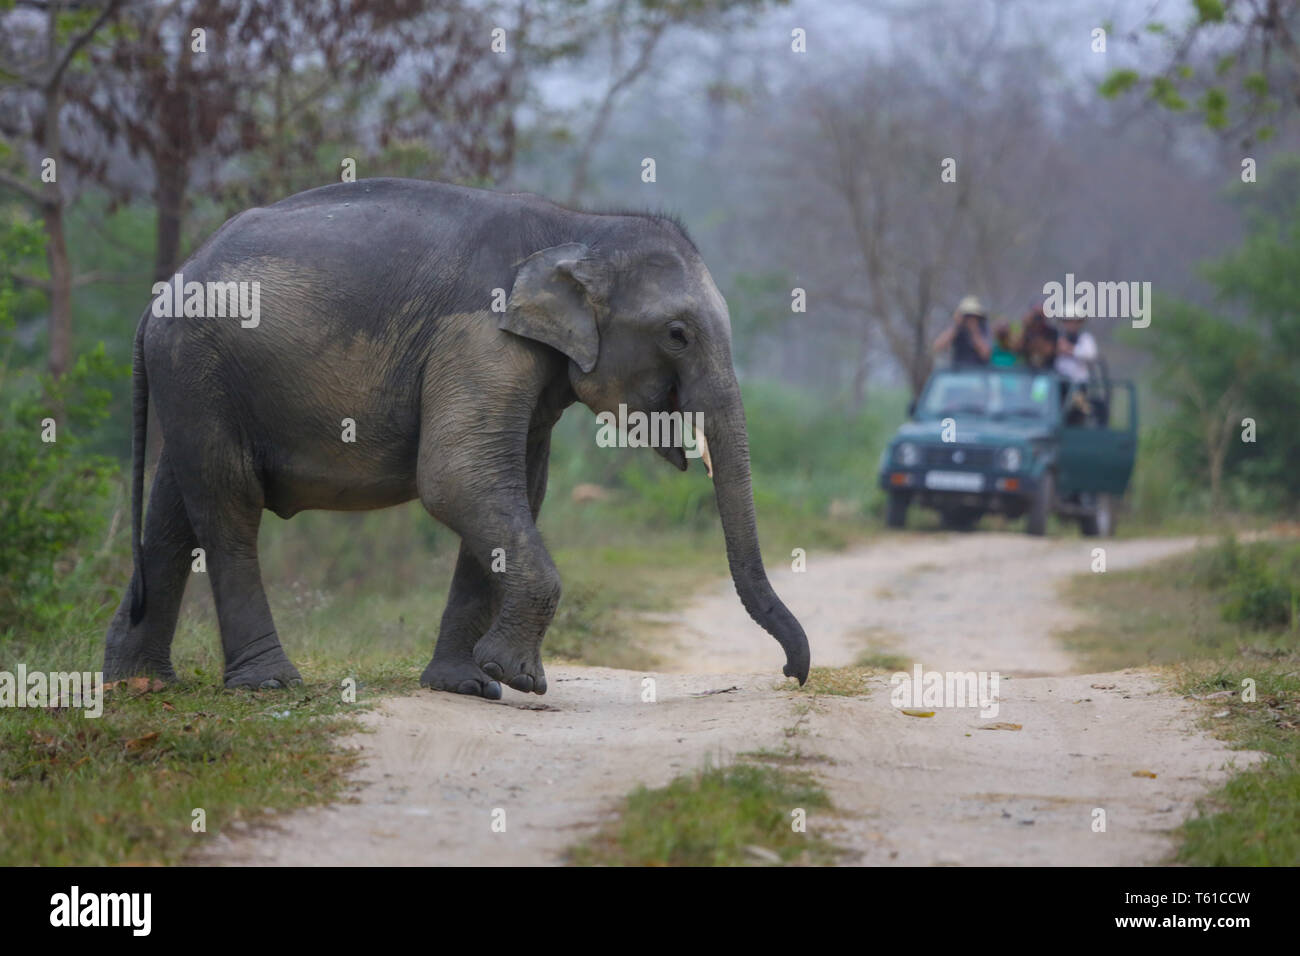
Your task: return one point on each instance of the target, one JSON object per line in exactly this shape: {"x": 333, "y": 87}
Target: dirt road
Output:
{"x": 442, "y": 772}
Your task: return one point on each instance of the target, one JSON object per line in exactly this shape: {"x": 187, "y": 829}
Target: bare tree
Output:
{"x": 194, "y": 83}
{"x": 44, "y": 53}
{"x": 916, "y": 190}
{"x": 632, "y": 32}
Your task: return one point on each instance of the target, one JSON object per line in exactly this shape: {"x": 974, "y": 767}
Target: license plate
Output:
{"x": 954, "y": 481}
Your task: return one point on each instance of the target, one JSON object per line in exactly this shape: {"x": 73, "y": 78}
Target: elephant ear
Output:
{"x": 555, "y": 299}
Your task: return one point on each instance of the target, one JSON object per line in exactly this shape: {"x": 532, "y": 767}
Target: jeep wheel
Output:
{"x": 896, "y": 510}
{"x": 1101, "y": 523}
{"x": 1041, "y": 507}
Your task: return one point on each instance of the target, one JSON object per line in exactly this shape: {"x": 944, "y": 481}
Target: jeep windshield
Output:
{"x": 987, "y": 393}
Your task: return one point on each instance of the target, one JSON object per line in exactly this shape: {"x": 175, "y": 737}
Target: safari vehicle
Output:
{"x": 1014, "y": 441}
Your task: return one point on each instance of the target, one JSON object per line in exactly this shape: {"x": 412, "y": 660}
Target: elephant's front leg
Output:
{"x": 494, "y": 510}
{"x": 471, "y": 607}
{"x": 475, "y": 601}
{"x": 500, "y": 535}
{"x": 511, "y": 649}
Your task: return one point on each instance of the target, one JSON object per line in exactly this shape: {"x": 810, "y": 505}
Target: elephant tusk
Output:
{"x": 704, "y": 451}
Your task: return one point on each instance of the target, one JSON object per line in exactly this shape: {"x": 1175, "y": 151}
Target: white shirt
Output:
{"x": 1074, "y": 366}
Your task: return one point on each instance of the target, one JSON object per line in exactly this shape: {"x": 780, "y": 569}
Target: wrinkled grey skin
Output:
{"x": 376, "y": 306}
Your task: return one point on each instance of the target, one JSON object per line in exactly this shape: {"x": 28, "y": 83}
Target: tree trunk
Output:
{"x": 860, "y": 375}
{"x": 56, "y": 246}
{"x": 173, "y": 179}
{"x": 1216, "y": 456}
{"x": 60, "y": 323}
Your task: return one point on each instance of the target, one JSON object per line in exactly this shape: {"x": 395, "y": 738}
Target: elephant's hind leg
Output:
{"x": 167, "y": 546}
{"x": 226, "y": 519}
{"x": 471, "y": 606}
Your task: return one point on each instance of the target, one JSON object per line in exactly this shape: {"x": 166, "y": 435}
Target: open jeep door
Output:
{"x": 1097, "y": 458}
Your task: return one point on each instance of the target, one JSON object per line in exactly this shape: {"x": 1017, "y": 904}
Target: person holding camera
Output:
{"x": 1076, "y": 349}
{"x": 968, "y": 336}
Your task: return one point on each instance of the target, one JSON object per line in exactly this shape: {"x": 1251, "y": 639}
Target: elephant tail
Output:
{"x": 139, "y": 434}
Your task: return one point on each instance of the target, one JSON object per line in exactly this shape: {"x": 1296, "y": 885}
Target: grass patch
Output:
{"x": 847, "y": 681}
{"x": 123, "y": 788}
{"x": 787, "y": 756}
{"x": 1254, "y": 819}
{"x": 1187, "y": 607}
{"x": 879, "y": 654}
{"x": 739, "y": 815}
{"x": 883, "y": 661}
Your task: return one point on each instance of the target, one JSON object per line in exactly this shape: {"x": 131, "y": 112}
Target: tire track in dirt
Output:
{"x": 908, "y": 790}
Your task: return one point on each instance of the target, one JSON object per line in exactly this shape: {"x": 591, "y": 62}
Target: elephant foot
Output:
{"x": 460, "y": 677}
{"x": 269, "y": 670}
{"x": 503, "y": 660}
{"x": 118, "y": 668}
{"x": 128, "y": 652}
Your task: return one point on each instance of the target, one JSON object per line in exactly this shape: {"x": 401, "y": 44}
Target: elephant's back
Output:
{"x": 361, "y": 256}
{"x": 328, "y": 371}
{"x": 355, "y": 283}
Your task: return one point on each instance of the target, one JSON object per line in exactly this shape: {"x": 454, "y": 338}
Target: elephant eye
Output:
{"x": 677, "y": 335}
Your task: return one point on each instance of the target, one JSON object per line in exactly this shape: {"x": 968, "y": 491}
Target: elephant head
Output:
{"x": 644, "y": 325}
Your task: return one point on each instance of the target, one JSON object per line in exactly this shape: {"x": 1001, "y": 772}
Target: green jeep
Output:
{"x": 1014, "y": 441}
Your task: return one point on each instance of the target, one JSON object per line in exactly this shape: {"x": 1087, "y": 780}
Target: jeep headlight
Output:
{"x": 1010, "y": 459}
{"x": 908, "y": 455}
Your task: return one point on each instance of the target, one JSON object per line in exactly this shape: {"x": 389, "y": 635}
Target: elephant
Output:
{"x": 452, "y": 327}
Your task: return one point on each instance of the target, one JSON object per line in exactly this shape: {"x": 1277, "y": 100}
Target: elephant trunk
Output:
{"x": 728, "y": 446}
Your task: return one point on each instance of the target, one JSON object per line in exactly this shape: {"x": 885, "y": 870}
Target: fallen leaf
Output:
{"x": 1144, "y": 773}
{"x": 44, "y": 742}
{"x": 1102, "y": 686}
{"x": 919, "y": 713}
{"x": 140, "y": 743}
{"x": 1000, "y": 725}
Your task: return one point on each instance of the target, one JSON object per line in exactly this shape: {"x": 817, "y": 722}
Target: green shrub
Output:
{"x": 53, "y": 494}
{"x": 1258, "y": 583}
{"x": 1266, "y": 589}
{"x": 1259, "y": 600}
{"x": 1216, "y": 567}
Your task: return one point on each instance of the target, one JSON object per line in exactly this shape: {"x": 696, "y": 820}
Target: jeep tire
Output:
{"x": 1040, "y": 509}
